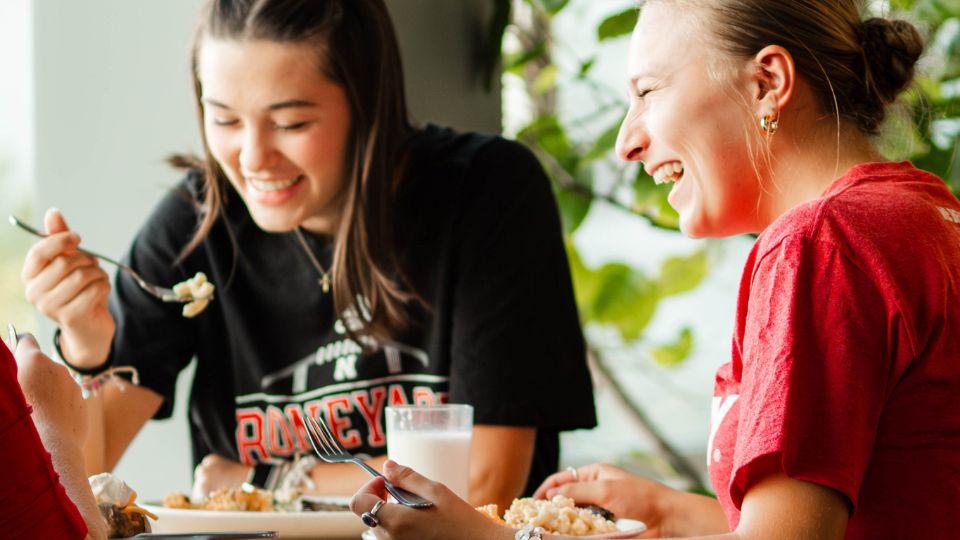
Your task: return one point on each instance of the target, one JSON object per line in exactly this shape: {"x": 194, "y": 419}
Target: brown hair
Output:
{"x": 356, "y": 48}
{"x": 856, "y": 67}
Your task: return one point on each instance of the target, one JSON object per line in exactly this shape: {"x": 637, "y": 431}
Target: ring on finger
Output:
{"x": 370, "y": 518}
{"x": 574, "y": 473}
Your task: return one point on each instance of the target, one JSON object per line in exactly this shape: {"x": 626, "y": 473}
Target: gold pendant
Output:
{"x": 325, "y": 283}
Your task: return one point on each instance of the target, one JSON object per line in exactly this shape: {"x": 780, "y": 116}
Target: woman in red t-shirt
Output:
{"x": 837, "y": 416}
{"x": 36, "y": 501}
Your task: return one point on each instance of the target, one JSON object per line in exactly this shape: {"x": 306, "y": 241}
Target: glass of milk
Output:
{"x": 434, "y": 441}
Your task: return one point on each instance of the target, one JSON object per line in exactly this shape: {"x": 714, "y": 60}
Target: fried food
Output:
{"x": 492, "y": 511}
{"x": 558, "y": 515}
{"x": 117, "y": 504}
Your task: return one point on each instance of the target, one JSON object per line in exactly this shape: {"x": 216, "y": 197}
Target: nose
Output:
{"x": 633, "y": 139}
{"x": 256, "y": 151}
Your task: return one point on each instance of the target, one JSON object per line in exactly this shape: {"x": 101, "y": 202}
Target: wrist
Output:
{"x": 79, "y": 359}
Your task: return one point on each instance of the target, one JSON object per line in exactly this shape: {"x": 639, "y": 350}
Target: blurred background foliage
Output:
{"x": 577, "y": 150}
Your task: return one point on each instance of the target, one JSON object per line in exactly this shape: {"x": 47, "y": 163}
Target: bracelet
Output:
{"x": 91, "y": 384}
{"x": 96, "y": 370}
{"x": 529, "y": 533}
{"x": 297, "y": 476}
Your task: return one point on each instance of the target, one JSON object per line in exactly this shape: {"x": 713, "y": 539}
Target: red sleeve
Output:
{"x": 33, "y": 503}
{"x": 815, "y": 369}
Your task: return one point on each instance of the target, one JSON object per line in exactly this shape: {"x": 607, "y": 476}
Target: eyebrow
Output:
{"x": 654, "y": 71}
{"x": 289, "y": 104}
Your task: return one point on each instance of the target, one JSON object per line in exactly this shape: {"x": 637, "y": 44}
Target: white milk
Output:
{"x": 443, "y": 456}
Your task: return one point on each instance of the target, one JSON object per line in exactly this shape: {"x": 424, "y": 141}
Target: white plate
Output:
{"x": 338, "y": 525}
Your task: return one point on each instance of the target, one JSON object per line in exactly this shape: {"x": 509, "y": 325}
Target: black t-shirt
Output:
{"x": 480, "y": 241}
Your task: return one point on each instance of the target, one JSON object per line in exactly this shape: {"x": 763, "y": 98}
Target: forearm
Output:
{"x": 125, "y": 409}
{"x": 500, "y": 458}
{"x": 341, "y": 479}
{"x": 94, "y": 446}
{"x": 691, "y": 515}
{"x": 68, "y": 461}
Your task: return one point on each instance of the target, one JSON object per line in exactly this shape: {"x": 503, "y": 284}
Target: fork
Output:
{"x": 328, "y": 448}
{"x": 163, "y": 293}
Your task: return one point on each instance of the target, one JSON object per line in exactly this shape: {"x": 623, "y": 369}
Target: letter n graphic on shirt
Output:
{"x": 718, "y": 411}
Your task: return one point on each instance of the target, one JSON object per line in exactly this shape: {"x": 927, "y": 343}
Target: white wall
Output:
{"x": 112, "y": 98}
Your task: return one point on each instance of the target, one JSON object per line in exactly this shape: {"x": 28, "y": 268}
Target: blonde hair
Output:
{"x": 856, "y": 67}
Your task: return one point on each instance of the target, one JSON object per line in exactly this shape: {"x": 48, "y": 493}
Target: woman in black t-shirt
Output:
{"x": 358, "y": 261}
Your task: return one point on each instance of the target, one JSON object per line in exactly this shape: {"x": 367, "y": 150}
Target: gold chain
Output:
{"x": 324, "y": 279}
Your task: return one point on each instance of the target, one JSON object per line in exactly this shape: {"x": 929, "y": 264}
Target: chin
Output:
{"x": 273, "y": 224}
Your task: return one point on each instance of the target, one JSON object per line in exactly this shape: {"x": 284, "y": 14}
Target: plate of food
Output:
{"x": 251, "y": 509}
{"x": 560, "y": 515}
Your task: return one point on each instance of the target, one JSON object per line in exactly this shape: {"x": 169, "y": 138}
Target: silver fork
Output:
{"x": 328, "y": 448}
{"x": 163, "y": 293}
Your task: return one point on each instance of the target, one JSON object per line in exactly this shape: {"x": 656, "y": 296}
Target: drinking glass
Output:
{"x": 434, "y": 441}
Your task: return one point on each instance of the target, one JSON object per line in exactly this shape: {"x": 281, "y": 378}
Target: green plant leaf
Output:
{"x": 605, "y": 143}
{"x": 650, "y": 201}
{"x": 516, "y": 62}
{"x": 583, "y": 283}
{"x": 625, "y": 298}
{"x": 574, "y": 207}
{"x": 675, "y": 353}
{"x": 682, "y": 274}
{"x": 554, "y": 6}
{"x": 585, "y": 68}
{"x": 618, "y": 25}
{"x": 546, "y": 80}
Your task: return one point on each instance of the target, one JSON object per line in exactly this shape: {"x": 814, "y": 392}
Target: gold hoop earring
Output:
{"x": 770, "y": 125}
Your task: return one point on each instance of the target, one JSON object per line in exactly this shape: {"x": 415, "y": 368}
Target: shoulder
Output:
{"x": 872, "y": 204}
{"x": 443, "y": 155}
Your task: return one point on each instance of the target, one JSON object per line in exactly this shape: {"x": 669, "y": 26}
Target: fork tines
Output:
{"x": 322, "y": 440}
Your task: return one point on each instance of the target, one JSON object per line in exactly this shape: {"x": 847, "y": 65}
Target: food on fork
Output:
{"x": 116, "y": 501}
{"x": 197, "y": 288}
{"x": 558, "y": 515}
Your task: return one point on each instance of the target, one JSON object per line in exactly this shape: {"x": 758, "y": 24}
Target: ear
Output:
{"x": 774, "y": 80}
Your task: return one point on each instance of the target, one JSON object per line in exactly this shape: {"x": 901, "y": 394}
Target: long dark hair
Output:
{"x": 357, "y": 48}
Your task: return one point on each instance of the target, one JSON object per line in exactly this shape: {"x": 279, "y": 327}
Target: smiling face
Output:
{"x": 278, "y": 128}
{"x": 689, "y": 128}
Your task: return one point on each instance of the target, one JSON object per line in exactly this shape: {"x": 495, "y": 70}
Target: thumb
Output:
{"x": 54, "y": 222}
{"x": 408, "y": 479}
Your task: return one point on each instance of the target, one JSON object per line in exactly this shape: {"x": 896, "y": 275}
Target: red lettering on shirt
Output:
{"x": 397, "y": 395}
{"x": 372, "y": 413}
{"x": 250, "y": 436}
{"x": 338, "y": 424}
{"x": 295, "y": 413}
{"x": 279, "y": 438}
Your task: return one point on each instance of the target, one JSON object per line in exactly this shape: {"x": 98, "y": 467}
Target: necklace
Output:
{"x": 324, "y": 280}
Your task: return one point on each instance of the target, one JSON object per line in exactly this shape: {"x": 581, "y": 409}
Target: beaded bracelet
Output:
{"x": 90, "y": 385}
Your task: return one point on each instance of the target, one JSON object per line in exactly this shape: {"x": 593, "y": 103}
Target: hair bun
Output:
{"x": 891, "y": 49}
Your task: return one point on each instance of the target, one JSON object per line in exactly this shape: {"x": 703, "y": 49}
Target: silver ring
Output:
{"x": 370, "y": 518}
{"x": 13, "y": 337}
{"x": 573, "y": 472}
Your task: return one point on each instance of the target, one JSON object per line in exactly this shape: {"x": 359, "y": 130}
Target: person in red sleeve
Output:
{"x": 44, "y": 493}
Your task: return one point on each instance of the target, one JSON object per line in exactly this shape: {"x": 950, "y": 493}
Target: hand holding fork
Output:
{"x": 328, "y": 448}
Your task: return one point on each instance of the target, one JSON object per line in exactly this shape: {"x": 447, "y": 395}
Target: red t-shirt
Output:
{"x": 846, "y": 356}
{"x": 33, "y": 503}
